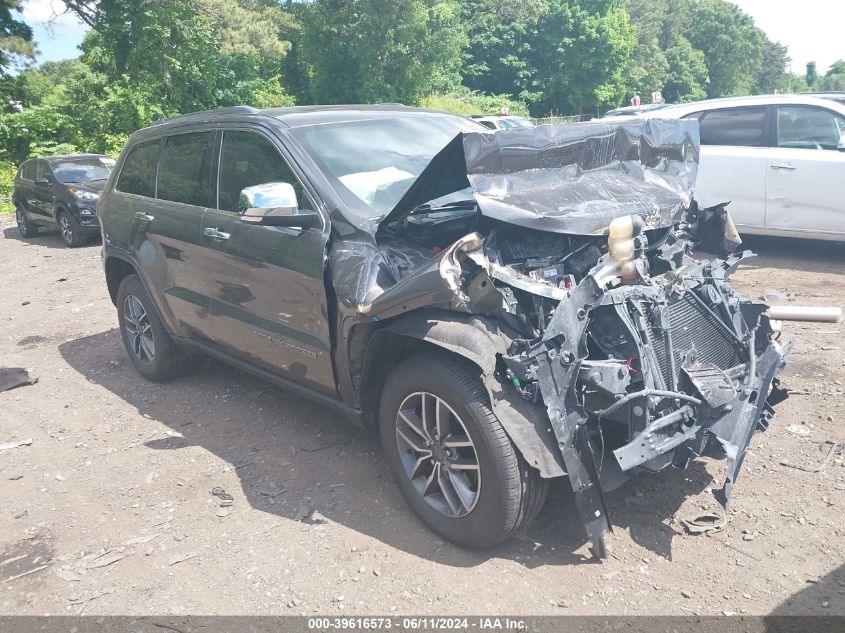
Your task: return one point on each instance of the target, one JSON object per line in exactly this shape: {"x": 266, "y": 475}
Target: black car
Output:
{"x": 61, "y": 192}
{"x": 504, "y": 308}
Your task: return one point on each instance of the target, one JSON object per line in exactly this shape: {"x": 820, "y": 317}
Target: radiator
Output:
{"x": 691, "y": 325}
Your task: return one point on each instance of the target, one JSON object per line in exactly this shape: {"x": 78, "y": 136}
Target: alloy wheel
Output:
{"x": 67, "y": 230}
{"x": 437, "y": 454}
{"x": 139, "y": 332}
{"x": 20, "y": 220}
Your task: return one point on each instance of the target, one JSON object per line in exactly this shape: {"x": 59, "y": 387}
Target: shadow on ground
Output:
{"x": 795, "y": 254}
{"x": 301, "y": 462}
{"x": 820, "y": 606}
{"x": 46, "y": 238}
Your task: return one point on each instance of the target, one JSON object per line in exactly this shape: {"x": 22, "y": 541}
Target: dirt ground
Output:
{"x": 111, "y": 508}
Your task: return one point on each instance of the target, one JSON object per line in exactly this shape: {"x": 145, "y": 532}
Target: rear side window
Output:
{"x": 738, "y": 127}
{"x": 249, "y": 159}
{"x": 138, "y": 174}
{"x": 28, "y": 171}
{"x": 803, "y": 127}
{"x": 184, "y": 171}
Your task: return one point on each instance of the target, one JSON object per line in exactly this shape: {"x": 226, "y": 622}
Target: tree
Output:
{"x": 647, "y": 69}
{"x": 812, "y": 75}
{"x": 372, "y": 51}
{"x": 687, "y": 73}
{"x": 732, "y": 46}
{"x": 834, "y": 78}
{"x": 571, "y": 57}
{"x": 772, "y": 75}
{"x": 16, "y": 45}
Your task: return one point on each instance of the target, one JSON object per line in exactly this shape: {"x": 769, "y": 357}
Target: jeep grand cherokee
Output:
{"x": 506, "y": 307}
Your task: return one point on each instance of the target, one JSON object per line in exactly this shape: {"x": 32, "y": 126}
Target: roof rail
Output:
{"x": 240, "y": 109}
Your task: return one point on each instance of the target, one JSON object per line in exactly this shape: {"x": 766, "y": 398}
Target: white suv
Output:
{"x": 779, "y": 160}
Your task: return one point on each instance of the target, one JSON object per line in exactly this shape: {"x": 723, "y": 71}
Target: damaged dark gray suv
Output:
{"x": 504, "y": 307}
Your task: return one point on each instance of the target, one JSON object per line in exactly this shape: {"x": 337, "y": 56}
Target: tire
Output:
{"x": 504, "y": 496}
{"x": 25, "y": 226}
{"x": 150, "y": 348}
{"x": 69, "y": 229}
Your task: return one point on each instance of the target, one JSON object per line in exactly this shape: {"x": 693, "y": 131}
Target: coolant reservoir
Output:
{"x": 620, "y": 241}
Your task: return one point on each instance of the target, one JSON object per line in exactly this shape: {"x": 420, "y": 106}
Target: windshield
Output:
{"x": 372, "y": 163}
{"x": 83, "y": 170}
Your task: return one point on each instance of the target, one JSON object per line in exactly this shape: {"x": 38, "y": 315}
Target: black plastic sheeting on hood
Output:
{"x": 572, "y": 178}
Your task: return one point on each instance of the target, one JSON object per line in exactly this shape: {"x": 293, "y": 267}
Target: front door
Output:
{"x": 43, "y": 196}
{"x": 806, "y": 174}
{"x": 269, "y": 299}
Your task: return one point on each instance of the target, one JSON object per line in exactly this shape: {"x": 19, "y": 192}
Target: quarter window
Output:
{"x": 184, "y": 171}
{"x": 249, "y": 159}
{"x": 738, "y": 127}
{"x": 138, "y": 174}
{"x": 809, "y": 128}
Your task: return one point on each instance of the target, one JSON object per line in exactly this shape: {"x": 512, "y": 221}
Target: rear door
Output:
{"x": 733, "y": 164}
{"x": 166, "y": 215}
{"x": 806, "y": 174}
{"x": 26, "y": 189}
{"x": 269, "y": 298}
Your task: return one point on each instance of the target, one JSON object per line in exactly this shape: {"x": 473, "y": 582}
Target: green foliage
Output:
{"x": 812, "y": 76}
{"x": 687, "y": 72}
{"x": 8, "y": 170}
{"x": 467, "y": 103}
{"x": 368, "y": 51}
{"x": 16, "y": 45}
{"x": 732, "y": 46}
{"x": 571, "y": 56}
{"x": 834, "y": 79}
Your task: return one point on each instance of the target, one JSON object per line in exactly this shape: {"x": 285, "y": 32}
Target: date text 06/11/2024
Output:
{"x": 422, "y": 623}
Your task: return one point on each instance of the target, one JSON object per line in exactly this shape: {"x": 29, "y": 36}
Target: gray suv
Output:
{"x": 504, "y": 308}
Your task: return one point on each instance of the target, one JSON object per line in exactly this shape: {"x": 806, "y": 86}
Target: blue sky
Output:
{"x": 812, "y": 29}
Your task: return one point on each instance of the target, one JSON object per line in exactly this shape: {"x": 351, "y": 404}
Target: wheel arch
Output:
{"x": 117, "y": 269}
{"x": 477, "y": 340}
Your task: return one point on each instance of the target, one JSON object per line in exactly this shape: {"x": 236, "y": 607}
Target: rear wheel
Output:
{"x": 450, "y": 456}
{"x": 69, "y": 228}
{"x": 25, "y": 226}
{"x": 151, "y": 349}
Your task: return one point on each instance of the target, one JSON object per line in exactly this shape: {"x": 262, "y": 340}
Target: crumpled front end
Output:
{"x": 612, "y": 346}
{"x": 651, "y": 362}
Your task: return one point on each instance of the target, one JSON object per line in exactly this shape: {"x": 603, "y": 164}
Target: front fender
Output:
{"x": 480, "y": 341}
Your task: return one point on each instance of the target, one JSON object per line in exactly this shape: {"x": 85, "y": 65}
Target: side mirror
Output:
{"x": 42, "y": 182}
{"x": 841, "y": 146}
{"x": 275, "y": 204}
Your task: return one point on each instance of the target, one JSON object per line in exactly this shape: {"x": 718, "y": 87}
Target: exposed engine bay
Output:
{"x": 611, "y": 349}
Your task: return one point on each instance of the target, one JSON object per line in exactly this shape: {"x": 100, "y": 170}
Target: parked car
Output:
{"x": 635, "y": 110}
{"x": 61, "y": 192}
{"x": 500, "y": 122}
{"x": 838, "y": 96}
{"x": 505, "y": 309}
{"x": 779, "y": 160}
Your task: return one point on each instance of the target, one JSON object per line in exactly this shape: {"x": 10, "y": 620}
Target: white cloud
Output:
{"x": 53, "y": 14}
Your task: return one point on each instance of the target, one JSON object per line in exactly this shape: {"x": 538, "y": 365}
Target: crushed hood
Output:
{"x": 567, "y": 178}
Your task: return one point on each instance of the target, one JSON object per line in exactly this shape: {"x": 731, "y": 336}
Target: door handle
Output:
{"x": 146, "y": 217}
{"x": 212, "y": 232}
{"x": 787, "y": 167}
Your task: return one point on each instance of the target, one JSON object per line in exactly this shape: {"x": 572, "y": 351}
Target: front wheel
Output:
{"x": 69, "y": 228}
{"x": 450, "y": 456}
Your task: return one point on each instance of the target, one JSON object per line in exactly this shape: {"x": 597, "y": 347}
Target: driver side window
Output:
{"x": 802, "y": 127}
{"x": 247, "y": 159}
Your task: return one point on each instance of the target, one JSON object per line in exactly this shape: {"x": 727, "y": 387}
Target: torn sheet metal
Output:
{"x": 568, "y": 178}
